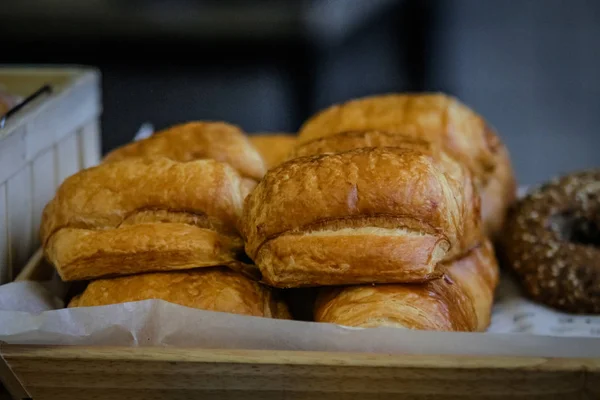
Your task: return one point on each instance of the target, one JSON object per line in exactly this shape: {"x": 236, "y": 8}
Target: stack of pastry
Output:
{"x": 160, "y": 218}
{"x": 387, "y": 204}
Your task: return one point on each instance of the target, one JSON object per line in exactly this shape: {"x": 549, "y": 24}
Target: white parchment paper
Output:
{"x": 518, "y": 328}
{"x": 33, "y": 313}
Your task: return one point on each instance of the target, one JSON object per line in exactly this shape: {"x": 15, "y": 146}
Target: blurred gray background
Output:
{"x": 530, "y": 67}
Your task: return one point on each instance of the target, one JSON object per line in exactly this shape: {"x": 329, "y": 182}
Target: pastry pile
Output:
{"x": 385, "y": 207}
{"x": 159, "y": 219}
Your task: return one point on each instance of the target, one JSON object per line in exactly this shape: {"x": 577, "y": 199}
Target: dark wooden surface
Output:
{"x": 3, "y": 393}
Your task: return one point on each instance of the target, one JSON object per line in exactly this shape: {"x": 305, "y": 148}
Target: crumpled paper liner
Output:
{"x": 32, "y": 313}
{"x": 159, "y": 323}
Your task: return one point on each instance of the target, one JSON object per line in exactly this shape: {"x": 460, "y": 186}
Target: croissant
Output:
{"x": 139, "y": 215}
{"x": 437, "y": 118}
{"x": 273, "y": 147}
{"x": 213, "y": 289}
{"x": 198, "y": 140}
{"x": 459, "y": 301}
{"x": 362, "y": 216}
{"x": 462, "y": 181}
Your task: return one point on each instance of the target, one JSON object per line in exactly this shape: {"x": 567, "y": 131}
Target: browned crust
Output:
{"x": 273, "y": 147}
{"x": 350, "y": 190}
{"x": 299, "y": 261}
{"x": 198, "y": 140}
{"x": 460, "y": 301}
{"x": 498, "y": 195}
{"x": 345, "y": 141}
{"x": 81, "y": 254}
{"x": 105, "y": 196}
{"x": 461, "y": 180}
{"x": 112, "y": 218}
{"x": 478, "y": 275}
{"x": 554, "y": 270}
{"x": 213, "y": 289}
{"x": 437, "y": 118}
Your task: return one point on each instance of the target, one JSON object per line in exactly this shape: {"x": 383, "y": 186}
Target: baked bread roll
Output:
{"x": 213, "y": 289}
{"x": 141, "y": 215}
{"x": 462, "y": 183}
{"x": 198, "y": 140}
{"x": 363, "y": 216}
{"x": 552, "y": 242}
{"x": 459, "y": 301}
{"x": 273, "y": 147}
{"x": 437, "y": 118}
{"x": 350, "y": 140}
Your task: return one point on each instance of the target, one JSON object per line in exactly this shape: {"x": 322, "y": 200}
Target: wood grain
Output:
{"x": 169, "y": 373}
{"x": 9, "y": 381}
{"x": 184, "y": 394}
{"x": 4, "y": 393}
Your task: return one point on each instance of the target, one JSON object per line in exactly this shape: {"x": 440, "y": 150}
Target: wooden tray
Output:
{"x": 167, "y": 373}
{"x": 77, "y": 372}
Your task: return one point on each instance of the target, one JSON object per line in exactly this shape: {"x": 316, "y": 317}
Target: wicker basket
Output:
{"x": 52, "y": 137}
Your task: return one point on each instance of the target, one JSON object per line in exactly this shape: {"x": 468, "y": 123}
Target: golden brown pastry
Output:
{"x": 438, "y": 118}
{"x": 273, "y": 147}
{"x": 459, "y": 301}
{"x": 140, "y": 215}
{"x": 213, "y": 289}
{"x": 350, "y": 140}
{"x": 198, "y": 140}
{"x": 498, "y": 194}
{"x": 462, "y": 183}
{"x": 552, "y": 242}
{"x": 367, "y": 215}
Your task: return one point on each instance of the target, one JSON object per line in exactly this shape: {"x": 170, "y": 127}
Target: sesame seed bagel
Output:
{"x": 552, "y": 242}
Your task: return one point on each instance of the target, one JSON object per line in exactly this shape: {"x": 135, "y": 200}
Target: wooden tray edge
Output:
{"x": 288, "y": 357}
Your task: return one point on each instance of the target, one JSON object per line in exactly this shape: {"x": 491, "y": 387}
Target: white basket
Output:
{"x": 42, "y": 144}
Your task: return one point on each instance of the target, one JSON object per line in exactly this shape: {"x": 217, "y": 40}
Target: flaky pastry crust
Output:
{"x": 461, "y": 179}
{"x": 367, "y": 215}
{"x": 140, "y": 215}
{"x": 213, "y": 289}
{"x": 459, "y": 301}
{"x": 198, "y": 140}
{"x": 273, "y": 147}
{"x": 437, "y": 118}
